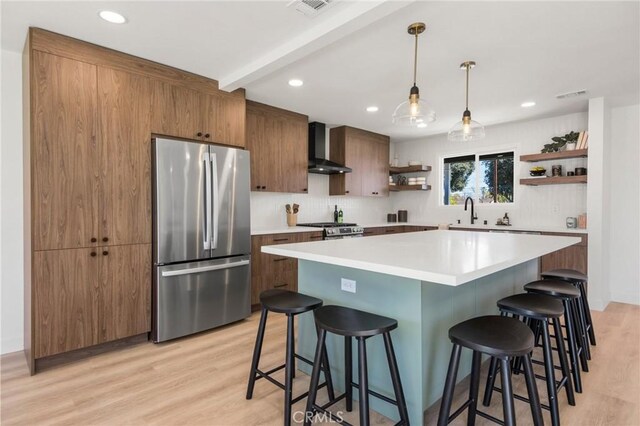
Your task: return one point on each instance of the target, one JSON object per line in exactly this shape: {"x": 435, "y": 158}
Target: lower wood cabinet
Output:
{"x": 395, "y": 229}
{"x": 269, "y": 271}
{"x": 572, "y": 257}
{"x": 84, "y": 297}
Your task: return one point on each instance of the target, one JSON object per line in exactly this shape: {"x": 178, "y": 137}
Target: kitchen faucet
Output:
{"x": 474, "y": 217}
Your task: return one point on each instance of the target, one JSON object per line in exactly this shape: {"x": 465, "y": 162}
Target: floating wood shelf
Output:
{"x": 576, "y": 153}
{"x": 555, "y": 180}
{"x": 408, "y": 169}
{"x": 397, "y": 188}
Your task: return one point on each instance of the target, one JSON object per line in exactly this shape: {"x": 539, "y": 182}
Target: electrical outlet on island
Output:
{"x": 348, "y": 285}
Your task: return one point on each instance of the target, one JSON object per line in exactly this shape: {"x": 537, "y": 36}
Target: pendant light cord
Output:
{"x": 415, "y": 60}
{"x": 467, "y": 92}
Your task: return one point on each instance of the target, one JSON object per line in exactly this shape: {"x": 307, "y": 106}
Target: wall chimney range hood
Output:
{"x": 317, "y": 152}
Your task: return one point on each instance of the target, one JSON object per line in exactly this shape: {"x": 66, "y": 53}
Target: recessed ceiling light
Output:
{"x": 113, "y": 17}
{"x": 372, "y": 108}
{"x": 422, "y": 125}
{"x": 527, "y": 104}
{"x": 294, "y": 82}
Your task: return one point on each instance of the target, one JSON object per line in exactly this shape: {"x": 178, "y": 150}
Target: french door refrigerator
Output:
{"x": 201, "y": 237}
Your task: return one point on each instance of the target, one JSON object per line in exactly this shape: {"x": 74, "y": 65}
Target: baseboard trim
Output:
{"x": 625, "y": 297}
{"x": 14, "y": 344}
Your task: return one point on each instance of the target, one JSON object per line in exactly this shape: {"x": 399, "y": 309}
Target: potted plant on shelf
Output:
{"x": 560, "y": 143}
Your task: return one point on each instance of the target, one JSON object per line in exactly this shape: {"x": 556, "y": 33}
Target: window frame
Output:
{"x": 477, "y": 153}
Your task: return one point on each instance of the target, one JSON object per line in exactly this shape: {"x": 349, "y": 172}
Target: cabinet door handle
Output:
{"x": 279, "y": 285}
{"x": 280, "y": 259}
{"x": 105, "y": 239}
{"x": 315, "y": 237}
{"x": 206, "y": 135}
{"x": 93, "y": 254}
{"x": 105, "y": 253}
{"x": 93, "y": 240}
{"x": 346, "y": 192}
{"x": 258, "y": 187}
{"x": 199, "y": 134}
{"x": 304, "y": 189}
{"x": 280, "y": 239}
{"x": 264, "y": 187}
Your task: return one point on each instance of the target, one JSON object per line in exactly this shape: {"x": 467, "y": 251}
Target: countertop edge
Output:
{"x": 291, "y": 230}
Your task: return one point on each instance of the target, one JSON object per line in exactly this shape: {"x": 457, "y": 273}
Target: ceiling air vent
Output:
{"x": 310, "y": 8}
{"x": 571, "y": 94}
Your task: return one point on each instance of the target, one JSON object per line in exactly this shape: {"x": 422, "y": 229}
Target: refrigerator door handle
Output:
{"x": 213, "y": 158}
{"x": 207, "y": 202}
{"x": 189, "y": 271}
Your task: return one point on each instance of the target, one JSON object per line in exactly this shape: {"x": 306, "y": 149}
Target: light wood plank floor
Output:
{"x": 201, "y": 380}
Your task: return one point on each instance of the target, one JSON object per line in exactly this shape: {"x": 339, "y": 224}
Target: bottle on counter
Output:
{"x": 335, "y": 215}
{"x": 340, "y": 216}
{"x": 505, "y": 220}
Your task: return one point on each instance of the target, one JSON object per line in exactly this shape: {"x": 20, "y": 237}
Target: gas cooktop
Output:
{"x": 327, "y": 224}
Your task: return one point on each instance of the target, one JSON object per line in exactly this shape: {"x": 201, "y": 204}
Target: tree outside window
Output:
{"x": 486, "y": 178}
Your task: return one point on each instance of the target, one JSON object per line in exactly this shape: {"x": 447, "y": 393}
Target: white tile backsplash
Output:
{"x": 535, "y": 207}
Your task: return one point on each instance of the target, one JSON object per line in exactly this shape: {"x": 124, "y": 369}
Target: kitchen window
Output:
{"x": 487, "y": 178}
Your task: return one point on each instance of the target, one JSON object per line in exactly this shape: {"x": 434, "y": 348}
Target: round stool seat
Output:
{"x": 567, "y": 274}
{"x": 553, "y": 288}
{"x": 494, "y": 335}
{"x": 352, "y": 322}
{"x": 532, "y": 305}
{"x": 288, "y": 302}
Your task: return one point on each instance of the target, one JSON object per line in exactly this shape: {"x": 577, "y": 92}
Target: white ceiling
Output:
{"x": 357, "y": 54}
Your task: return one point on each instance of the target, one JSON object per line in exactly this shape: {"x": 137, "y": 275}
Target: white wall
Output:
{"x": 544, "y": 207}
{"x": 624, "y": 208}
{"x": 11, "y": 247}
{"x": 268, "y": 209}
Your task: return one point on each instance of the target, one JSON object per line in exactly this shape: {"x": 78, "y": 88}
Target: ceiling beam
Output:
{"x": 353, "y": 18}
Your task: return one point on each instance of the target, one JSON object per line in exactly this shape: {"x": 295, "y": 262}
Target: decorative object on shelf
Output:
{"x": 414, "y": 163}
{"x": 467, "y": 129}
{"x": 560, "y": 142}
{"x": 571, "y": 146}
{"x": 572, "y": 222}
{"x": 581, "y": 171}
{"x": 556, "y": 170}
{"x": 537, "y": 171}
{"x": 292, "y": 214}
{"x": 582, "y": 221}
{"x": 395, "y": 161}
{"x": 392, "y": 218}
{"x": 414, "y": 112}
{"x": 402, "y": 216}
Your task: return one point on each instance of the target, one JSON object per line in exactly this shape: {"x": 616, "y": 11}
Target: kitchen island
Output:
{"x": 427, "y": 281}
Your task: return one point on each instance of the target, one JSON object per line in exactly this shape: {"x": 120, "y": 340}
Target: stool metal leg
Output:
{"x": 395, "y": 379}
{"x": 474, "y": 388}
{"x": 257, "y": 349}
{"x": 315, "y": 378}
{"x": 573, "y": 350}
{"x": 532, "y": 390}
{"x": 582, "y": 323}
{"x": 363, "y": 382}
{"x": 550, "y": 375}
{"x": 348, "y": 373}
{"x": 564, "y": 363}
{"x": 288, "y": 371}
{"x": 587, "y": 312}
{"x": 579, "y": 333}
{"x": 491, "y": 382}
{"x": 507, "y": 393}
{"x": 449, "y": 385}
{"x": 326, "y": 369}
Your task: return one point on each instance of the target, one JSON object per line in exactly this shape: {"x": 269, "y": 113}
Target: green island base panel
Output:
{"x": 424, "y": 310}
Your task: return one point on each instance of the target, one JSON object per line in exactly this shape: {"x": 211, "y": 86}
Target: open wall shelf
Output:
{"x": 408, "y": 169}
{"x": 555, "y": 180}
{"x": 576, "y": 153}
{"x": 397, "y": 188}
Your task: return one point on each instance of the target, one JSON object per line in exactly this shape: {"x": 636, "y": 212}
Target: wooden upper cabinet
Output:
{"x": 367, "y": 154}
{"x": 278, "y": 142}
{"x": 66, "y": 293}
{"x": 125, "y": 291}
{"x": 225, "y": 118}
{"x": 64, "y": 166}
{"x": 124, "y": 105}
{"x": 176, "y": 111}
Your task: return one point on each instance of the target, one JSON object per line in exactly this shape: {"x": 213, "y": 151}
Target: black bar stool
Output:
{"x": 291, "y": 304}
{"x": 350, "y": 323}
{"x": 578, "y": 279}
{"x": 502, "y": 338}
{"x": 542, "y": 310}
{"x": 567, "y": 293}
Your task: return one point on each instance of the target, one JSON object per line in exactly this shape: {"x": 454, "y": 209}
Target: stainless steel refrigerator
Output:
{"x": 201, "y": 237}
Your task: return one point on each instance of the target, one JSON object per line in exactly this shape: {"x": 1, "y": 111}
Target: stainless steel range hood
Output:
{"x": 317, "y": 145}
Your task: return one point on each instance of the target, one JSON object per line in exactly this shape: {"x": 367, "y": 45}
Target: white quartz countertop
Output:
{"x": 444, "y": 257}
{"x": 287, "y": 230}
{"x": 562, "y": 230}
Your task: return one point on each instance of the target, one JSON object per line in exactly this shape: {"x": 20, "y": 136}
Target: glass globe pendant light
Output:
{"x": 467, "y": 129}
{"x": 414, "y": 112}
